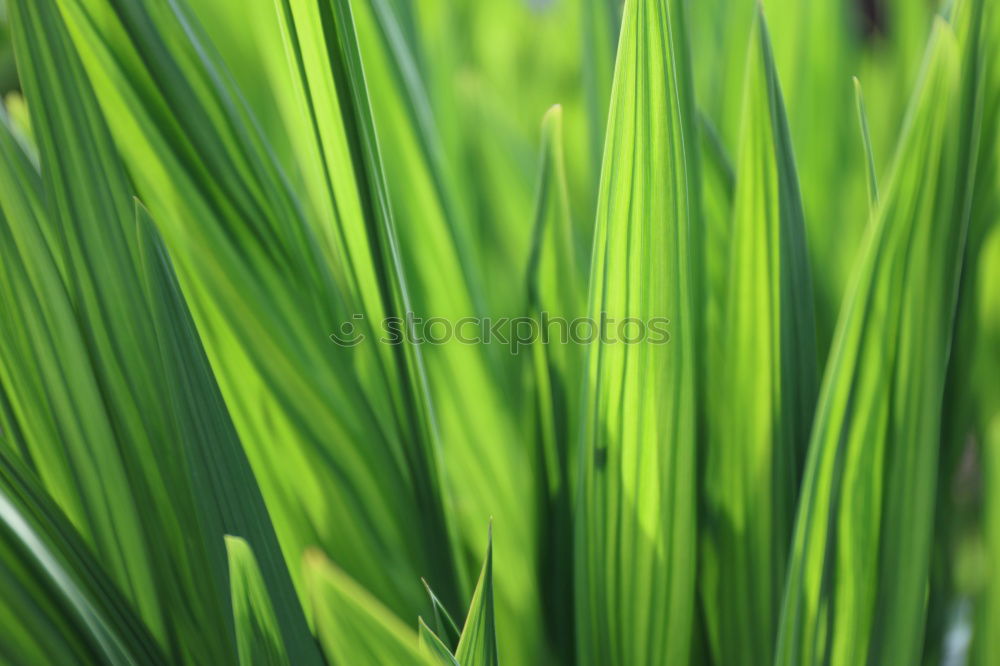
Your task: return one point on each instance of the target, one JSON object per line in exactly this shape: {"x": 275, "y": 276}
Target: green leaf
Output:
{"x": 718, "y": 181}
{"x": 556, "y": 297}
{"x": 469, "y": 385}
{"x": 258, "y": 637}
{"x": 66, "y": 434}
{"x": 601, "y": 25}
{"x": 759, "y": 425}
{"x": 478, "y": 644}
{"x": 635, "y": 524}
{"x": 985, "y": 639}
{"x": 90, "y": 228}
{"x": 859, "y": 99}
{"x": 226, "y": 494}
{"x": 434, "y": 646}
{"x": 857, "y": 578}
{"x": 444, "y": 626}
{"x": 57, "y": 604}
{"x": 350, "y": 622}
{"x": 172, "y": 437}
{"x": 269, "y": 276}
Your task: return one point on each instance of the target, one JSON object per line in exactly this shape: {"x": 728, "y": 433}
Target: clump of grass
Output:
{"x": 210, "y": 212}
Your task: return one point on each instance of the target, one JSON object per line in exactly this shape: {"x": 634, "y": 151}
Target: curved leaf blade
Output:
{"x": 859, "y": 561}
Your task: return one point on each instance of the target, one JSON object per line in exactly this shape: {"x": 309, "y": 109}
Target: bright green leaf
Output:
{"x": 768, "y": 380}
{"x": 635, "y": 523}
{"x": 478, "y": 644}
{"x": 434, "y": 646}
{"x": 857, "y": 578}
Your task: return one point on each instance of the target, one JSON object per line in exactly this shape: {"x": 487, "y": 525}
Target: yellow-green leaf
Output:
{"x": 857, "y": 578}
{"x": 635, "y": 523}
{"x": 478, "y": 644}
{"x": 762, "y": 410}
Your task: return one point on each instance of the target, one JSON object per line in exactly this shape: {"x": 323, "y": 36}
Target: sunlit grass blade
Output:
{"x": 478, "y": 644}
{"x": 979, "y": 32}
{"x": 226, "y": 496}
{"x": 961, "y": 420}
{"x": 341, "y": 438}
{"x": 635, "y": 521}
{"x": 859, "y": 563}
{"x": 433, "y": 646}
{"x": 985, "y": 638}
{"x": 601, "y": 25}
{"x": 90, "y": 214}
{"x": 555, "y": 298}
{"x": 759, "y": 424}
{"x": 66, "y": 435}
{"x": 484, "y": 444}
{"x": 718, "y": 184}
{"x": 350, "y": 622}
{"x": 258, "y": 637}
{"x": 866, "y": 139}
{"x": 132, "y": 317}
{"x": 444, "y": 626}
{"x": 554, "y": 288}
{"x": 57, "y": 604}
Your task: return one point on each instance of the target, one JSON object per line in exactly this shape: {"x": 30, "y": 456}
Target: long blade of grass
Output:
{"x": 444, "y": 625}
{"x": 478, "y": 644}
{"x": 484, "y": 446}
{"x": 89, "y": 213}
{"x": 977, "y": 193}
{"x": 57, "y": 605}
{"x": 227, "y": 498}
{"x": 859, "y": 564}
{"x": 768, "y": 381}
{"x": 434, "y": 647}
{"x": 866, "y": 139}
{"x": 355, "y": 469}
{"x": 985, "y": 639}
{"x": 555, "y": 298}
{"x": 635, "y": 523}
{"x": 66, "y": 434}
{"x": 138, "y": 330}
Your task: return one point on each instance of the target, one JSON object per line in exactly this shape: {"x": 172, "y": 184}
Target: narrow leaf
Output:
{"x": 57, "y": 605}
{"x": 268, "y": 278}
{"x": 478, "y": 644}
{"x": 444, "y": 626}
{"x": 768, "y": 381}
{"x": 434, "y": 647}
{"x": 226, "y": 495}
{"x": 859, "y": 99}
{"x": 857, "y": 577}
{"x": 635, "y": 523}
{"x": 556, "y": 297}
